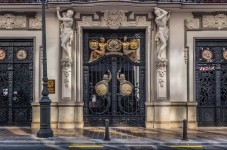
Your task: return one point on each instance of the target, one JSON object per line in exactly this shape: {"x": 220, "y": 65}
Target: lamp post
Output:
{"x": 45, "y": 129}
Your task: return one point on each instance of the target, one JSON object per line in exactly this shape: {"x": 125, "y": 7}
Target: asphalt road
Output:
{"x": 111, "y": 147}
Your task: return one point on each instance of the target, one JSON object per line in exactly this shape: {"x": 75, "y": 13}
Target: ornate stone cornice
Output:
{"x": 113, "y": 19}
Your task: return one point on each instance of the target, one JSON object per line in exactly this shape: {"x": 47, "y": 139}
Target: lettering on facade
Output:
{"x": 51, "y": 86}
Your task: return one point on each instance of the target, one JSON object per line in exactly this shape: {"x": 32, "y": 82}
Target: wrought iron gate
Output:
{"x": 114, "y": 77}
{"x": 16, "y": 81}
{"x": 211, "y": 82}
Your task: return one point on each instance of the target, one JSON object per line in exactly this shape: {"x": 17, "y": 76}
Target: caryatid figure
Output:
{"x": 162, "y": 34}
{"x": 66, "y": 29}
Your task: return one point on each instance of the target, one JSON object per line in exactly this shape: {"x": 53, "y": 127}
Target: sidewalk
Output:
{"x": 142, "y": 136}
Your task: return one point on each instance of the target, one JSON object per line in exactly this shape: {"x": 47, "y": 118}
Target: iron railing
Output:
{"x": 69, "y": 1}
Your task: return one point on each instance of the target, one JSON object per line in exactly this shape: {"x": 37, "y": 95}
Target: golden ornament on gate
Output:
{"x": 101, "y": 89}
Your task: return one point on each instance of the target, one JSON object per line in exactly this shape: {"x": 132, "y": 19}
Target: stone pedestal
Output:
{"x": 36, "y": 115}
{"x": 66, "y": 114}
{"x": 79, "y": 121}
{"x": 170, "y": 114}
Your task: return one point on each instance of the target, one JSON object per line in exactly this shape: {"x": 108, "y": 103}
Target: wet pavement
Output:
{"x": 142, "y": 136}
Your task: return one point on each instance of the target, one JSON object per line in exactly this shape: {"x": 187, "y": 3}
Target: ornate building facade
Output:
{"x": 138, "y": 63}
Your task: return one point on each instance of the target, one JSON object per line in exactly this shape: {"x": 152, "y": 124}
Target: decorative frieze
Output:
{"x": 10, "y": 21}
{"x": 193, "y": 23}
{"x": 35, "y": 23}
{"x": 207, "y": 21}
{"x": 218, "y": 21}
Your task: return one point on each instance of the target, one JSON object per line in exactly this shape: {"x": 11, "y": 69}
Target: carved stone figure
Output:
{"x": 66, "y": 29}
{"x": 162, "y": 34}
{"x": 97, "y": 53}
{"x": 129, "y": 48}
{"x": 126, "y": 87}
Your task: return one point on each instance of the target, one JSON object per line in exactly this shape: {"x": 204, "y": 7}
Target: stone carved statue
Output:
{"x": 162, "y": 34}
{"x": 129, "y": 48}
{"x": 66, "y": 29}
{"x": 97, "y": 53}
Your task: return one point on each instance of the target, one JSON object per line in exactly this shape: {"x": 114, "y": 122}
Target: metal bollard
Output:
{"x": 185, "y": 130}
{"x": 106, "y": 134}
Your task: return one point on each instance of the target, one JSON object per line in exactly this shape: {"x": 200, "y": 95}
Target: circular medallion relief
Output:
{"x": 2, "y": 54}
{"x": 21, "y": 54}
{"x": 207, "y": 54}
{"x": 101, "y": 89}
{"x": 126, "y": 89}
{"x": 225, "y": 55}
{"x": 114, "y": 45}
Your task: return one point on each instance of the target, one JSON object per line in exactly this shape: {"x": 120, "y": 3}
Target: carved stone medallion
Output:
{"x": 134, "y": 44}
{"x": 93, "y": 44}
{"x": 114, "y": 45}
{"x": 21, "y": 54}
{"x": 225, "y": 55}
{"x": 2, "y": 54}
{"x": 101, "y": 89}
{"x": 126, "y": 89}
{"x": 207, "y": 54}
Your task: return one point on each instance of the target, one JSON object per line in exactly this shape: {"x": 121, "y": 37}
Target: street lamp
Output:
{"x": 45, "y": 129}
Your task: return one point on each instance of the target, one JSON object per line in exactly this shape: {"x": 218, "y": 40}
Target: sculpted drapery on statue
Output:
{"x": 66, "y": 30}
{"x": 162, "y": 17}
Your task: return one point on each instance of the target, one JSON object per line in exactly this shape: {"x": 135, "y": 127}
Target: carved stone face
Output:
{"x": 122, "y": 76}
{"x": 105, "y": 77}
{"x": 69, "y": 13}
{"x": 157, "y": 12}
{"x": 102, "y": 39}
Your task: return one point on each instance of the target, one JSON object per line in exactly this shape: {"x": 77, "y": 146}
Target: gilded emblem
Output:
{"x": 207, "y": 54}
{"x": 134, "y": 44}
{"x": 225, "y": 55}
{"x": 93, "y": 44}
{"x": 98, "y": 49}
{"x": 114, "y": 45}
{"x": 126, "y": 88}
{"x": 102, "y": 87}
{"x": 2, "y": 54}
{"x": 130, "y": 48}
{"x": 21, "y": 54}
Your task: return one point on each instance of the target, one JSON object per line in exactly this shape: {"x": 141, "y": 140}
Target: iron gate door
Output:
{"x": 16, "y": 81}
{"x": 114, "y": 77}
{"x": 211, "y": 82}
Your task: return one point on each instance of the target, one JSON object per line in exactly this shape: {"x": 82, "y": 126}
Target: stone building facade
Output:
{"x": 136, "y": 63}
